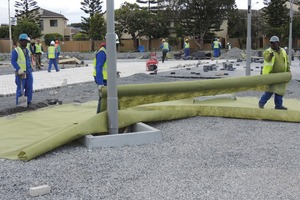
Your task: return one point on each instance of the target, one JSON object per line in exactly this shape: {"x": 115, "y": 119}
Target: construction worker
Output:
{"x": 52, "y": 56}
{"x": 186, "y": 48}
{"x": 165, "y": 47}
{"x": 20, "y": 60}
{"x": 58, "y": 50}
{"x": 275, "y": 61}
{"x": 216, "y": 47}
{"x": 32, "y": 50}
{"x": 38, "y": 54}
{"x": 100, "y": 70}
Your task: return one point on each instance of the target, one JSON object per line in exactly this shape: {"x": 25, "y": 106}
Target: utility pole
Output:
{"x": 112, "y": 98}
{"x": 9, "y": 24}
{"x": 291, "y": 31}
{"x": 248, "y": 59}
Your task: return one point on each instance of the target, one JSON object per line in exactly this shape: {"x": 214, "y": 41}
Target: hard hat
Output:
{"x": 163, "y": 40}
{"x": 28, "y": 38}
{"x": 24, "y": 36}
{"x": 103, "y": 44}
{"x": 274, "y": 39}
{"x": 52, "y": 43}
{"x": 186, "y": 40}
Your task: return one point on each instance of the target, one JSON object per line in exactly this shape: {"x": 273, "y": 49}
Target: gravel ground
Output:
{"x": 199, "y": 158}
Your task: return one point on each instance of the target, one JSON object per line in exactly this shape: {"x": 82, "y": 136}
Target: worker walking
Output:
{"x": 100, "y": 70}
{"x": 52, "y": 56}
{"x": 165, "y": 47}
{"x": 216, "y": 47}
{"x": 186, "y": 47}
{"x": 20, "y": 60}
{"x": 275, "y": 61}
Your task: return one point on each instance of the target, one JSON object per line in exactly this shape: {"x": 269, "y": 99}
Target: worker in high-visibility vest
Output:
{"x": 165, "y": 47}
{"x": 38, "y": 54}
{"x": 216, "y": 47}
{"x": 186, "y": 48}
{"x": 52, "y": 56}
{"x": 100, "y": 70}
{"x": 275, "y": 61}
{"x": 20, "y": 60}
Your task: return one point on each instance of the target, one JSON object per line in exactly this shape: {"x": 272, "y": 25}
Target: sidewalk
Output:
{"x": 44, "y": 80}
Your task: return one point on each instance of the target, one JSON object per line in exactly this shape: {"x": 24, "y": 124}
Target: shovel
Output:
{"x": 22, "y": 100}
{"x": 99, "y": 103}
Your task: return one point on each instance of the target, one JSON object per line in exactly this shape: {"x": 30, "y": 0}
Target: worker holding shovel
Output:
{"x": 20, "y": 60}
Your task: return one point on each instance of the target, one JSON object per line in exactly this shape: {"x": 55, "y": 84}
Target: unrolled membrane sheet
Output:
{"x": 31, "y": 134}
{"x": 27, "y": 135}
{"x": 138, "y": 94}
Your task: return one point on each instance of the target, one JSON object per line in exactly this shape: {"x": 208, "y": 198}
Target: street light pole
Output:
{"x": 112, "y": 98}
{"x": 291, "y": 30}
{"x": 9, "y": 24}
{"x": 248, "y": 59}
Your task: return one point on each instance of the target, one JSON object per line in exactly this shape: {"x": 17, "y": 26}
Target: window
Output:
{"x": 41, "y": 25}
{"x": 53, "y": 23}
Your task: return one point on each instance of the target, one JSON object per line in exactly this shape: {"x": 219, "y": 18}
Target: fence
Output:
{"x": 128, "y": 45}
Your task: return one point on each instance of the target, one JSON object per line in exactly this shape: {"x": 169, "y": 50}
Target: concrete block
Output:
{"x": 39, "y": 190}
{"x": 137, "y": 134}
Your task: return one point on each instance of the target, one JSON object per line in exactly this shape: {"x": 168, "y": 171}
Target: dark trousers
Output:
{"x": 267, "y": 95}
{"x": 164, "y": 54}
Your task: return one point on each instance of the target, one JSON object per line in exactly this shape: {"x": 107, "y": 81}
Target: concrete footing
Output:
{"x": 136, "y": 134}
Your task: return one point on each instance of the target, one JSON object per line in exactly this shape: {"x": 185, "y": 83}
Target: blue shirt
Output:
{"x": 14, "y": 58}
{"x": 101, "y": 58}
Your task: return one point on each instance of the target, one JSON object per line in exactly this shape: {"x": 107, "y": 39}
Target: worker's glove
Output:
{"x": 20, "y": 72}
{"x": 100, "y": 87}
{"x": 271, "y": 54}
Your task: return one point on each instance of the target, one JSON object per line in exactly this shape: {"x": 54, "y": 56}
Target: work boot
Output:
{"x": 281, "y": 108}
{"x": 261, "y": 106}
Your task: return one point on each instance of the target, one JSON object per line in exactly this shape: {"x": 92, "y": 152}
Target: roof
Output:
{"x": 49, "y": 14}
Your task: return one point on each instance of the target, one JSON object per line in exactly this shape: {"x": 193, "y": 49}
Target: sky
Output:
{"x": 71, "y": 8}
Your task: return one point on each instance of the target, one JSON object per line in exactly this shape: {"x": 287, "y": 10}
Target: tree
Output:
{"x": 27, "y": 9}
{"x": 4, "y": 32}
{"x": 237, "y": 26}
{"x": 276, "y": 15}
{"x": 52, "y": 37}
{"x": 131, "y": 19}
{"x": 200, "y": 17}
{"x": 26, "y": 26}
{"x": 92, "y": 7}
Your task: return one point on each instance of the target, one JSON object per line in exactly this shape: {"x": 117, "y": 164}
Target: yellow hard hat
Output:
{"x": 186, "y": 39}
{"x": 163, "y": 40}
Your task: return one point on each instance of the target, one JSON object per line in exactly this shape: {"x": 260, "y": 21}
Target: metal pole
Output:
{"x": 291, "y": 31}
{"x": 112, "y": 98}
{"x": 9, "y": 24}
{"x": 248, "y": 59}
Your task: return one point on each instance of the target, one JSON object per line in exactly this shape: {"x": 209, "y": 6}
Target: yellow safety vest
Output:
{"x": 104, "y": 68}
{"x": 21, "y": 58}
{"x": 28, "y": 47}
{"x": 165, "y": 46}
{"x": 216, "y": 44}
{"x": 38, "y": 48}
{"x": 186, "y": 45}
{"x": 51, "y": 52}
{"x": 268, "y": 66}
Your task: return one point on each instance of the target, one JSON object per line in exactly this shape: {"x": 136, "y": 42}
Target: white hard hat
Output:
{"x": 52, "y": 43}
{"x": 274, "y": 39}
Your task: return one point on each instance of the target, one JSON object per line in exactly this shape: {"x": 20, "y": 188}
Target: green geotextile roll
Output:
{"x": 138, "y": 94}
